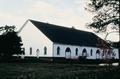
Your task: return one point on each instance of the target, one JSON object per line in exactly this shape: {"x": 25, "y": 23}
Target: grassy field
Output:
{"x": 56, "y": 71}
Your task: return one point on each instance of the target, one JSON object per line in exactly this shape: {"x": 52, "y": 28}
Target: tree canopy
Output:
{"x": 107, "y": 12}
{"x": 10, "y": 42}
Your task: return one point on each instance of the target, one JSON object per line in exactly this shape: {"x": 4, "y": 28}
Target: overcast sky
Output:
{"x": 60, "y": 12}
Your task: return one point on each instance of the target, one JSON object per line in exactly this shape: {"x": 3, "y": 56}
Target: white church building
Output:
{"x": 44, "y": 40}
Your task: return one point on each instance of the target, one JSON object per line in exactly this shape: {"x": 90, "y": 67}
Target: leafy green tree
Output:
{"x": 10, "y": 42}
{"x": 107, "y": 12}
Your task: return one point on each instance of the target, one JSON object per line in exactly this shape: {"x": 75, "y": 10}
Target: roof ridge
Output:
{"x": 61, "y": 26}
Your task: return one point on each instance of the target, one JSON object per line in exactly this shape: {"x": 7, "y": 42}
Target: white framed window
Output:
{"x": 76, "y": 51}
{"x": 58, "y": 50}
{"x": 91, "y": 52}
{"x": 30, "y": 50}
{"x": 45, "y": 50}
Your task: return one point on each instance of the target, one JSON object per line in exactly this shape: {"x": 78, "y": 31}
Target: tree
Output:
{"x": 107, "y": 12}
{"x": 5, "y": 29}
{"x": 10, "y": 42}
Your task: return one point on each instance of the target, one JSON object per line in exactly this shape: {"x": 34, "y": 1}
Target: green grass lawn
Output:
{"x": 56, "y": 71}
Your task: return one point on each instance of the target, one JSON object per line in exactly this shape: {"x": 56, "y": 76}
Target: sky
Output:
{"x": 69, "y": 13}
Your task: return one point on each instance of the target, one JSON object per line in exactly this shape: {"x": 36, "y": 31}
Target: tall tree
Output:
{"x": 10, "y": 42}
{"x": 107, "y": 12}
{"x": 5, "y": 29}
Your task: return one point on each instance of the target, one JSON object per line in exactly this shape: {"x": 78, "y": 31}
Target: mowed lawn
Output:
{"x": 56, "y": 71}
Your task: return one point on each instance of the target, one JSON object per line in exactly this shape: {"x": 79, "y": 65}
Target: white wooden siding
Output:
{"x": 33, "y": 37}
{"x": 80, "y": 49}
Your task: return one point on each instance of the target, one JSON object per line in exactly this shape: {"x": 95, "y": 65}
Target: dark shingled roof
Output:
{"x": 64, "y": 35}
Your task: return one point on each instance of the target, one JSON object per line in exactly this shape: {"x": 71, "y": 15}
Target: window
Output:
{"x": 58, "y": 50}
{"x": 97, "y": 52}
{"x": 76, "y": 51}
{"x": 113, "y": 54}
{"x": 30, "y": 50}
{"x": 91, "y": 52}
{"x": 45, "y": 50}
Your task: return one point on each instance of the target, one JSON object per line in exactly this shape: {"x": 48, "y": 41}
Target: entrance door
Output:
{"x": 37, "y": 53}
{"x": 68, "y": 53}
